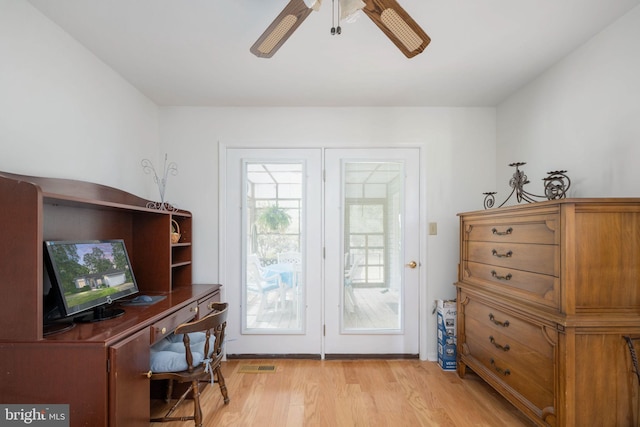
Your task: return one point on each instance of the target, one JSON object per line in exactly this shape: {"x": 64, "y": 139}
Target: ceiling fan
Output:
{"x": 388, "y": 15}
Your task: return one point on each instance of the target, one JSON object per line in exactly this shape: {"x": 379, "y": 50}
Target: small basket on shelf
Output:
{"x": 175, "y": 232}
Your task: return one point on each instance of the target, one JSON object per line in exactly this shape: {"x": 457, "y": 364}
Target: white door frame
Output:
{"x": 426, "y": 320}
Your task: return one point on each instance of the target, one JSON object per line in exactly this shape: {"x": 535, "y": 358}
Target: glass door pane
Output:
{"x": 256, "y": 182}
{"x": 373, "y": 245}
{"x": 274, "y": 235}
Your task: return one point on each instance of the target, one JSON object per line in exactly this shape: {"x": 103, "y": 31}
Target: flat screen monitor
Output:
{"x": 90, "y": 275}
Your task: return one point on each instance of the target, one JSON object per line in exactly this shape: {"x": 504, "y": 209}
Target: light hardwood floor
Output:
{"x": 339, "y": 393}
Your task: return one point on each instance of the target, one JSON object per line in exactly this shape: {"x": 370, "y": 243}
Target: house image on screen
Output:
{"x": 106, "y": 279}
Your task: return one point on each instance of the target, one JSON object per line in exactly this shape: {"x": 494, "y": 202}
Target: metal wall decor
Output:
{"x": 161, "y": 182}
{"x": 556, "y": 185}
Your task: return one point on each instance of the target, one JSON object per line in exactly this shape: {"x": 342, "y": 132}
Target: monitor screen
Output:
{"x": 90, "y": 275}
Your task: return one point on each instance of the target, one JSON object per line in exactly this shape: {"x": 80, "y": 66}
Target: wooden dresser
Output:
{"x": 546, "y": 294}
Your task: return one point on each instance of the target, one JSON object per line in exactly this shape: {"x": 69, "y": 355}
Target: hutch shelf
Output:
{"x": 100, "y": 368}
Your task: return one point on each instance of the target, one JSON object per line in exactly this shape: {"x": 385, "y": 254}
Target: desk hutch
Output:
{"x": 99, "y": 369}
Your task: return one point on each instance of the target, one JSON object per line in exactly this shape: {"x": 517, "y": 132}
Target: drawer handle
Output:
{"x": 498, "y": 346}
{"x": 496, "y": 254}
{"x": 495, "y": 275}
{"x": 502, "y": 233}
{"x": 163, "y": 331}
{"x": 505, "y": 372}
{"x": 504, "y": 324}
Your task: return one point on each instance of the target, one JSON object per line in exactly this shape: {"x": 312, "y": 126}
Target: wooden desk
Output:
{"x": 100, "y": 368}
{"x": 97, "y": 368}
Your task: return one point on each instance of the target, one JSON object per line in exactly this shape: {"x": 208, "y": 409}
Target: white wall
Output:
{"x": 459, "y": 160}
{"x": 64, "y": 113}
{"x": 582, "y": 115}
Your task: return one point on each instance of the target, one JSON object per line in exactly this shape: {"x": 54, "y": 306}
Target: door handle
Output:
{"x": 412, "y": 264}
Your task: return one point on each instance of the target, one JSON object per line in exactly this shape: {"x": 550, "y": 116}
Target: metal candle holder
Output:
{"x": 161, "y": 182}
{"x": 556, "y": 185}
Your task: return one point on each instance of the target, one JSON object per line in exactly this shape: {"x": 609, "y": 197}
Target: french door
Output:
{"x": 372, "y": 240}
{"x": 273, "y": 250}
{"x": 321, "y": 267}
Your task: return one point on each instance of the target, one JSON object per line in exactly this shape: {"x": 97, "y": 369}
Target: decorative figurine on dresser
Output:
{"x": 548, "y": 298}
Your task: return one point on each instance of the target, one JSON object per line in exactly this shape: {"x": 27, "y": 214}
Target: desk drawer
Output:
{"x": 205, "y": 306}
{"x": 166, "y": 326}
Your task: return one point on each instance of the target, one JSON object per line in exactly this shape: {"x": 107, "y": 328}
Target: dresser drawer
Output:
{"x": 513, "y": 350}
{"x": 166, "y": 326}
{"x": 536, "y": 288}
{"x": 526, "y": 229}
{"x": 543, "y": 259}
{"x": 525, "y": 380}
{"x": 496, "y": 321}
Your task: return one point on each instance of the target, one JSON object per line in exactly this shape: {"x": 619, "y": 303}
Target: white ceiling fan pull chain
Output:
{"x": 334, "y": 30}
{"x": 338, "y": 28}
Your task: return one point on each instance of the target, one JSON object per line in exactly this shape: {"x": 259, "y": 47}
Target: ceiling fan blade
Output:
{"x": 281, "y": 29}
{"x": 396, "y": 23}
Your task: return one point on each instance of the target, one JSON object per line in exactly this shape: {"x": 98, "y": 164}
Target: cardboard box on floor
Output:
{"x": 446, "y": 318}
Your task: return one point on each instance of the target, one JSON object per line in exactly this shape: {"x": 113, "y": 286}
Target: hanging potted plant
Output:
{"x": 273, "y": 218}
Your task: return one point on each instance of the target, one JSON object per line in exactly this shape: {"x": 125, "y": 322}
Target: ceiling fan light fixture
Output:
{"x": 313, "y": 4}
{"x": 388, "y": 15}
{"x": 407, "y": 36}
{"x": 272, "y": 40}
{"x": 349, "y": 9}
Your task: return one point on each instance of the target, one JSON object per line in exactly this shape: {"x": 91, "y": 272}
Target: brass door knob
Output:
{"x": 412, "y": 264}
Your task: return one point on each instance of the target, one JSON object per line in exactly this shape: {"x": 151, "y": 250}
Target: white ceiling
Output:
{"x": 196, "y": 52}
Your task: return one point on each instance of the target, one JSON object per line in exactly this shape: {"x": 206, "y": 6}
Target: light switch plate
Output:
{"x": 433, "y": 228}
